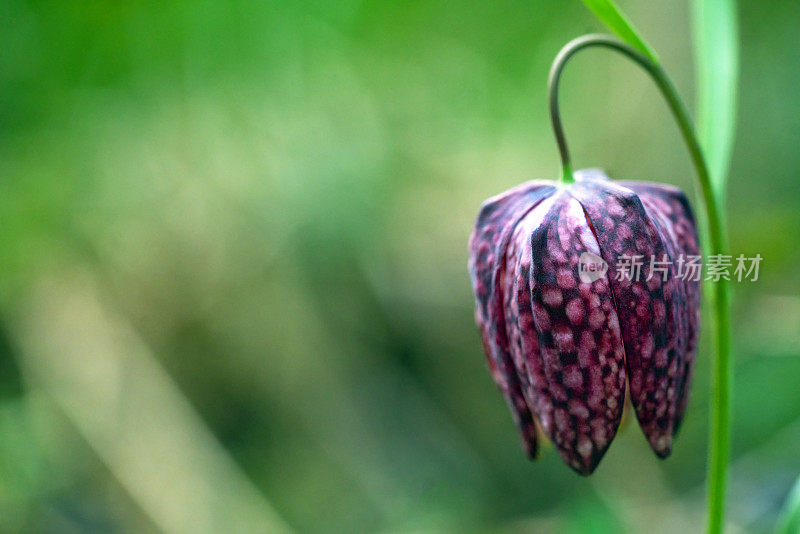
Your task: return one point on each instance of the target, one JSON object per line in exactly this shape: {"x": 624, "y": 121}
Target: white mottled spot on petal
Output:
{"x": 575, "y": 311}
{"x": 596, "y": 319}
{"x": 573, "y": 377}
{"x": 552, "y": 297}
{"x": 565, "y": 279}
{"x": 584, "y": 447}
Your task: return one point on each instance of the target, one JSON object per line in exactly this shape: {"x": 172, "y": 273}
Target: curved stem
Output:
{"x": 719, "y": 433}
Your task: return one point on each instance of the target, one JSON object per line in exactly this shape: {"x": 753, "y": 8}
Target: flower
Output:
{"x": 561, "y": 344}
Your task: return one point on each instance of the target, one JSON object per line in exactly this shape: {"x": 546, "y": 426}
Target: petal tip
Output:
{"x": 583, "y": 471}
{"x": 587, "y": 467}
{"x": 662, "y": 445}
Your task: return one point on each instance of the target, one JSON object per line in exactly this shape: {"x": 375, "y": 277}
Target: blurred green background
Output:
{"x": 234, "y": 294}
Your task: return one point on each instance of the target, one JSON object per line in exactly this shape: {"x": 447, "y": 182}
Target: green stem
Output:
{"x": 719, "y": 433}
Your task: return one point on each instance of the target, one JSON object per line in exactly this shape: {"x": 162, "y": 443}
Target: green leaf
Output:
{"x": 611, "y": 15}
{"x": 789, "y": 522}
{"x": 716, "y": 43}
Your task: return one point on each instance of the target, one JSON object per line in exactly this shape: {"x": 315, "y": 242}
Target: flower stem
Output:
{"x": 719, "y": 433}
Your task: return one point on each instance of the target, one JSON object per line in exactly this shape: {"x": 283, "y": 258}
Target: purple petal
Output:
{"x": 496, "y": 222}
{"x": 510, "y": 287}
{"x": 522, "y": 335}
{"x": 649, "y": 309}
{"x": 673, "y": 208}
{"x": 578, "y": 333}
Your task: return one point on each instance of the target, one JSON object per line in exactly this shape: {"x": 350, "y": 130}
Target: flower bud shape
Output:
{"x": 566, "y": 326}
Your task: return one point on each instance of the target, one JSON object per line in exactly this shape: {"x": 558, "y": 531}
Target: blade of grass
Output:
{"x": 789, "y": 522}
{"x": 716, "y": 46}
{"x": 617, "y": 22}
{"x": 717, "y": 56}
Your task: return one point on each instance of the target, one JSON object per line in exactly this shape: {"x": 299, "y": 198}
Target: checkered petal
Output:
{"x": 522, "y": 336}
{"x": 651, "y": 311}
{"x": 579, "y": 336}
{"x": 671, "y": 207}
{"x": 493, "y": 229}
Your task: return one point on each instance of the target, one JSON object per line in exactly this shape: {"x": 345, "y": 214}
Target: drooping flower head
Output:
{"x": 566, "y": 327}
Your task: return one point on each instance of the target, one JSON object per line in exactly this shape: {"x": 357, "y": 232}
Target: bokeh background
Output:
{"x": 233, "y": 285}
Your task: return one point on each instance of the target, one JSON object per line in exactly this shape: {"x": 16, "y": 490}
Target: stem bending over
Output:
{"x": 719, "y": 432}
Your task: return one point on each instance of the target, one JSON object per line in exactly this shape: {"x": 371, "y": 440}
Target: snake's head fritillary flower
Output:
{"x": 564, "y": 343}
